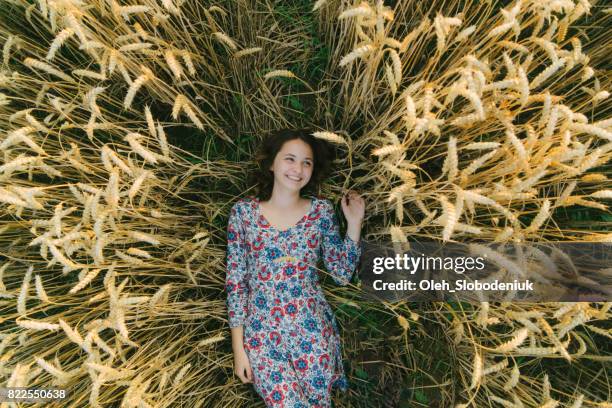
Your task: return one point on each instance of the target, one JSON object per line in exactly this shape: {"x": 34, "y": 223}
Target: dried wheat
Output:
{"x": 330, "y": 137}
{"x": 477, "y": 370}
{"x": 42, "y": 66}
{"x": 37, "y": 325}
{"x": 225, "y": 39}
{"x": 356, "y": 53}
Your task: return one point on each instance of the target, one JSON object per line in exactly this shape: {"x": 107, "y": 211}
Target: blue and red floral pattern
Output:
{"x": 290, "y": 333}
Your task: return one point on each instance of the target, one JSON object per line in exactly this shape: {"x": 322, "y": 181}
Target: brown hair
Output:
{"x": 263, "y": 177}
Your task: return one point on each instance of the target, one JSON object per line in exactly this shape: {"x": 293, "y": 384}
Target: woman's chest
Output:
{"x": 282, "y": 220}
{"x": 266, "y": 243}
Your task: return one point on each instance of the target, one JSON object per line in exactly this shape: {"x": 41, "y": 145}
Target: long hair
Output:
{"x": 263, "y": 178}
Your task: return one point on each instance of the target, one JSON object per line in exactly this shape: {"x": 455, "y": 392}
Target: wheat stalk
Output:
{"x": 476, "y": 370}
{"x": 279, "y": 73}
{"x": 42, "y": 66}
{"x": 225, "y": 39}
{"x": 40, "y": 289}
{"x": 363, "y": 10}
{"x": 58, "y": 41}
{"x": 318, "y": 4}
{"x": 387, "y": 150}
{"x": 37, "y": 325}
{"x": 247, "y": 51}
{"x": 134, "y": 87}
{"x": 513, "y": 380}
{"x": 173, "y": 63}
{"x": 356, "y": 53}
{"x": 330, "y": 137}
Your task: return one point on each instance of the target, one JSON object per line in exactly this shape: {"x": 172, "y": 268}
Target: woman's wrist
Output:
{"x": 237, "y": 338}
{"x": 354, "y": 230}
{"x": 355, "y": 223}
{"x": 237, "y": 347}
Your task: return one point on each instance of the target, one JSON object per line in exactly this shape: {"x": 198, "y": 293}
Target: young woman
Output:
{"x": 284, "y": 334}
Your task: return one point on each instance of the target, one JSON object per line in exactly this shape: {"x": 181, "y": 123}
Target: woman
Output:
{"x": 284, "y": 334}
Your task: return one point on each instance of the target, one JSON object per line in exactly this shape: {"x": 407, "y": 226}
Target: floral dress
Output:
{"x": 290, "y": 332}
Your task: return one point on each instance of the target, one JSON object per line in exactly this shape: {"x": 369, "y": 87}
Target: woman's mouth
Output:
{"x": 294, "y": 178}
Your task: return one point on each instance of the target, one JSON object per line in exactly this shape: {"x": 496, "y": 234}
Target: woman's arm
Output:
{"x": 236, "y": 283}
{"x": 353, "y": 207}
{"x": 237, "y": 338}
{"x": 354, "y": 231}
{"x": 340, "y": 256}
{"x": 242, "y": 366}
{"x": 237, "y": 291}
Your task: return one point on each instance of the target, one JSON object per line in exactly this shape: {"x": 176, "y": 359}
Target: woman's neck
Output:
{"x": 284, "y": 199}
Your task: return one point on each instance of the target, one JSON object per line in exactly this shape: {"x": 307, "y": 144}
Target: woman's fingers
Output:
{"x": 352, "y": 196}
{"x": 245, "y": 374}
{"x": 242, "y": 367}
{"x": 240, "y": 374}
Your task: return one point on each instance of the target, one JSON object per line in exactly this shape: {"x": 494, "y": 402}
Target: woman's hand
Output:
{"x": 242, "y": 366}
{"x": 353, "y": 206}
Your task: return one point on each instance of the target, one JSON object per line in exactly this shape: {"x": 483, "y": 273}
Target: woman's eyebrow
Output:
{"x": 293, "y": 155}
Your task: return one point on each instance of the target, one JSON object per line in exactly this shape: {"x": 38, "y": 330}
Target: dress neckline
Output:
{"x": 304, "y": 217}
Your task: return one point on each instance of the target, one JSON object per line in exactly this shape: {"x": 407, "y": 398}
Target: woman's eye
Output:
{"x": 290, "y": 158}
{"x": 308, "y": 164}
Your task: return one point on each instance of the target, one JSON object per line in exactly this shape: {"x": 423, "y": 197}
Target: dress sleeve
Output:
{"x": 340, "y": 256}
{"x": 236, "y": 282}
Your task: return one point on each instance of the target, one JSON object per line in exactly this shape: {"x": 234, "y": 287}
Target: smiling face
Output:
{"x": 293, "y": 165}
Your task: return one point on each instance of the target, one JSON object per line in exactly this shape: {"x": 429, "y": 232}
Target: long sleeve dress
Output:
{"x": 290, "y": 333}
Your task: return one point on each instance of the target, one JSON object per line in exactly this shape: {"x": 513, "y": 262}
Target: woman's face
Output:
{"x": 293, "y": 165}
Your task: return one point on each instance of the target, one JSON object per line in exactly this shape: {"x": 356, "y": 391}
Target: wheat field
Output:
{"x": 127, "y": 131}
